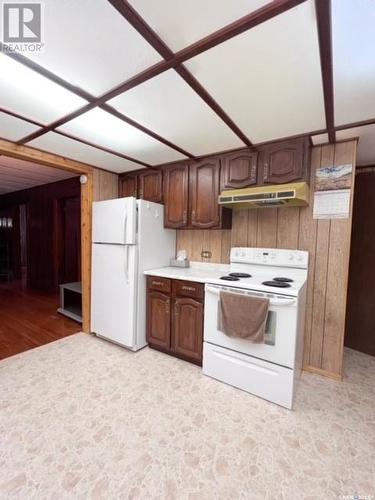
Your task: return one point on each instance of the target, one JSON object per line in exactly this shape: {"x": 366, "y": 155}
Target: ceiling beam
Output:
{"x": 323, "y": 15}
{"x": 138, "y": 23}
{"x": 93, "y": 102}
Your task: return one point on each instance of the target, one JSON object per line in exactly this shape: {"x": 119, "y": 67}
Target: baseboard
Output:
{"x": 323, "y": 373}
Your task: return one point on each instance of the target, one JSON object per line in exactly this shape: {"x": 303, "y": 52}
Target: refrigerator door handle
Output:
{"x": 126, "y": 263}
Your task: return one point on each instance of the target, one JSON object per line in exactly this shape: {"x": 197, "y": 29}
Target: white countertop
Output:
{"x": 198, "y": 271}
{"x": 203, "y": 272}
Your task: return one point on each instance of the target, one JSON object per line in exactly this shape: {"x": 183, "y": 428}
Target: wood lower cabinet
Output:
{"x": 175, "y": 318}
{"x": 176, "y": 196}
{"x": 283, "y": 162}
{"x": 239, "y": 169}
{"x": 187, "y": 328}
{"x": 159, "y": 319}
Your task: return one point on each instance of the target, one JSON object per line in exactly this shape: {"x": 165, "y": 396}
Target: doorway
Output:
{"x": 40, "y": 249}
{"x": 360, "y": 317}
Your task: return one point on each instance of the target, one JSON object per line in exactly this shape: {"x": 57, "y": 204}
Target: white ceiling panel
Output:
{"x": 16, "y": 175}
{"x": 91, "y": 45}
{"x": 353, "y": 38}
{"x": 25, "y": 92}
{"x": 182, "y": 22}
{"x": 319, "y": 139}
{"x": 269, "y": 78}
{"x": 64, "y": 146}
{"x": 14, "y": 129}
{"x": 168, "y": 106}
{"x": 366, "y": 143}
{"x": 101, "y": 128}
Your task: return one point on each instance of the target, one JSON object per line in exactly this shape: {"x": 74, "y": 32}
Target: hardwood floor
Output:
{"x": 29, "y": 319}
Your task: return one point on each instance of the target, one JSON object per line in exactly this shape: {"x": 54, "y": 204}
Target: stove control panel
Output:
{"x": 270, "y": 257}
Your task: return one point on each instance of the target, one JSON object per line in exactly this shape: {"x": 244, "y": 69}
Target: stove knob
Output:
{"x": 243, "y": 253}
{"x": 291, "y": 257}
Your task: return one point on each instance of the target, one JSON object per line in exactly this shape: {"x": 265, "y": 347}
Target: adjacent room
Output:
{"x": 187, "y": 240}
{"x": 40, "y": 251}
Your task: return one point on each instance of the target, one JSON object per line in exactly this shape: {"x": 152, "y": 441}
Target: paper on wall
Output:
{"x": 333, "y": 204}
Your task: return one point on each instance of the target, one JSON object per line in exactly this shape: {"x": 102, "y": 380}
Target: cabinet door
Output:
{"x": 204, "y": 192}
{"x": 150, "y": 186}
{"x": 128, "y": 186}
{"x": 282, "y": 162}
{"x": 176, "y": 196}
{"x": 187, "y": 328}
{"x": 158, "y": 319}
{"x": 239, "y": 169}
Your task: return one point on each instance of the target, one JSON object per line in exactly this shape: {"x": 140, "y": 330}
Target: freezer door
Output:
{"x": 114, "y": 221}
{"x": 113, "y": 293}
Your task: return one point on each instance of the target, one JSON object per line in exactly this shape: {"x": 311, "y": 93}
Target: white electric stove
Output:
{"x": 268, "y": 370}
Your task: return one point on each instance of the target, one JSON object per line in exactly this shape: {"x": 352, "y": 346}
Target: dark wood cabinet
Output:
{"x": 283, "y": 162}
{"x": 187, "y": 328}
{"x": 159, "y": 319}
{"x": 204, "y": 189}
{"x": 239, "y": 169}
{"x": 129, "y": 185}
{"x": 175, "y": 317}
{"x": 176, "y": 196}
{"x": 150, "y": 185}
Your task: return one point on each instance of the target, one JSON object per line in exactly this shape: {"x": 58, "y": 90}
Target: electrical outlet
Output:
{"x": 206, "y": 254}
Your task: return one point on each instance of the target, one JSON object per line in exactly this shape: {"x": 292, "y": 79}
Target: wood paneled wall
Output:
{"x": 328, "y": 244}
{"x": 105, "y": 185}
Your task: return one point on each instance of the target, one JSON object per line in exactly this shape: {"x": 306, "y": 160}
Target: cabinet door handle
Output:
{"x": 193, "y": 216}
{"x": 167, "y": 308}
{"x": 176, "y": 309}
{"x": 185, "y": 217}
{"x": 141, "y": 193}
{"x": 265, "y": 172}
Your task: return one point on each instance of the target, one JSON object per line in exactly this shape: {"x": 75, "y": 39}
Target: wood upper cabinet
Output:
{"x": 129, "y": 185}
{"x": 150, "y": 185}
{"x": 239, "y": 169}
{"x": 158, "y": 319}
{"x": 187, "y": 328}
{"x": 176, "y": 196}
{"x": 204, "y": 193}
{"x": 283, "y": 162}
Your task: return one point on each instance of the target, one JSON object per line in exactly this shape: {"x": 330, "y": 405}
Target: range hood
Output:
{"x": 287, "y": 195}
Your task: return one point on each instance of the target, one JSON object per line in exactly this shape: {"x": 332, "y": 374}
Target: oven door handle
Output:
{"x": 273, "y": 302}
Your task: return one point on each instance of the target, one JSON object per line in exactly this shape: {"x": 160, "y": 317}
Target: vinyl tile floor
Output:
{"x": 84, "y": 419}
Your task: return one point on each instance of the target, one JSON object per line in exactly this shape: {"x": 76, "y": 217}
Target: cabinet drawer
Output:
{"x": 188, "y": 289}
{"x": 159, "y": 284}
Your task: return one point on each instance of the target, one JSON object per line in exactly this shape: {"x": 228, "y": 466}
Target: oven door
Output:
{"x": 281, "y": 328}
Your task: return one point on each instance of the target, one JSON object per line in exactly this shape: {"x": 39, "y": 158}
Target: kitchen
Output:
{"x": 217, "y": 275}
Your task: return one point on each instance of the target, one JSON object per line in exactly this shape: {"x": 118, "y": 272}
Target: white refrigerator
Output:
{"x": 128, "y": 238}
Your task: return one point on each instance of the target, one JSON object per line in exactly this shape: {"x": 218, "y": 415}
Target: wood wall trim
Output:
{"x": 323, "y": 373}
{"x": 27, "y": 153}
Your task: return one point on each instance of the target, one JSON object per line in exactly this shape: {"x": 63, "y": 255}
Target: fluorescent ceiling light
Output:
{"x": 24, "y": 91}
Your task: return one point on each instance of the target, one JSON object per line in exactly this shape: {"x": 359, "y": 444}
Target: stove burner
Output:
{"x": 283, "y": 280}
{"x": 240, "y": 275}
{"x": 230, "y": 278}
{"x": 277, "y": 284}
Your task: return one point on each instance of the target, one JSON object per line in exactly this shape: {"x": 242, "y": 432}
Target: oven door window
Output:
{"x": 270, "y": 333}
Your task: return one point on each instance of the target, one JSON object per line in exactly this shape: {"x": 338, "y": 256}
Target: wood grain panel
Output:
{"x": 337, "y": 277}
{"x": 267, "y": 228}
{"x": 105, "y": 185}
{"x": 328, "y": 244}
{"x": 320, "y": 273}
{"x": 307, "y": 241}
